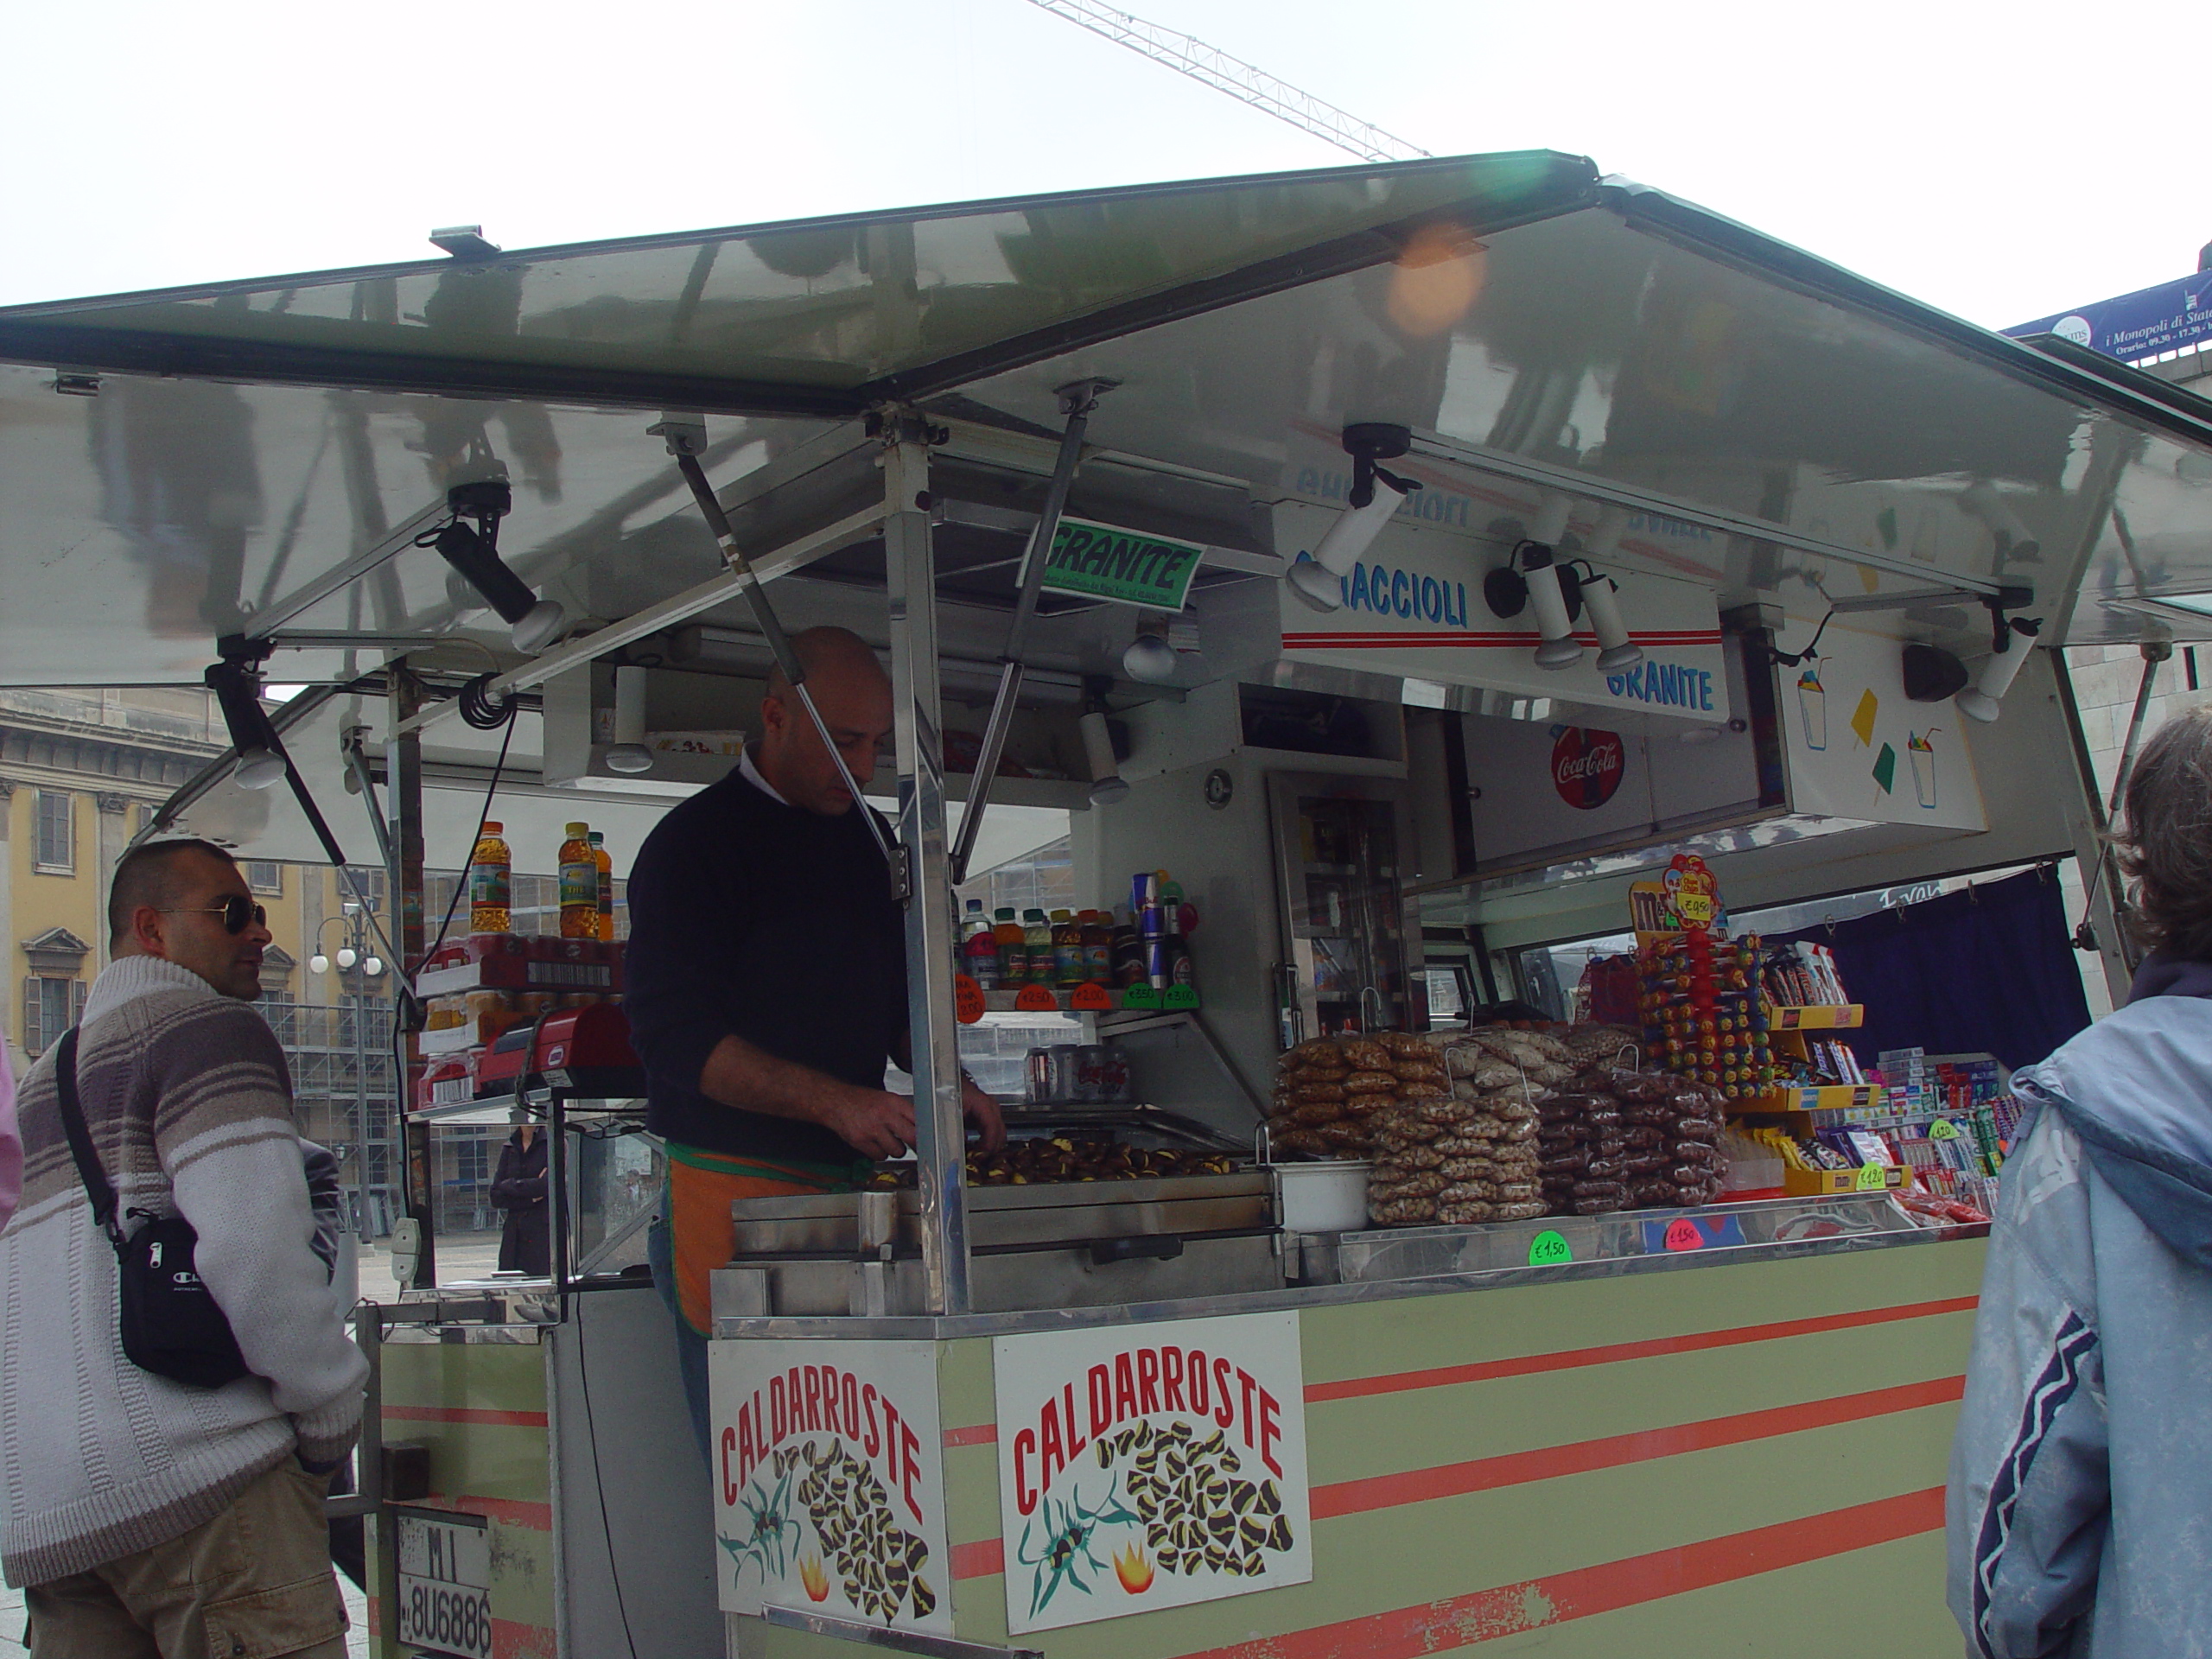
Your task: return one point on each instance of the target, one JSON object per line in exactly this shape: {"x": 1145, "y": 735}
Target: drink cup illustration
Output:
{"x": 1924, "y": 766}
{"x": 1813, "y": 706}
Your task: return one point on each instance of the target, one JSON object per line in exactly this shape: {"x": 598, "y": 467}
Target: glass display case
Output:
{"x": 1351, "y": 937}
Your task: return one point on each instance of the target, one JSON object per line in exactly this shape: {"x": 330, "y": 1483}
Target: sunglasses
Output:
{"x": 236, "y": 911}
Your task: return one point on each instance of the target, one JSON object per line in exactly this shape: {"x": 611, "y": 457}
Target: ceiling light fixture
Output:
{"x": 1107, "y": 785}
{"x": 1533, "y": 578}
{"x": 1601, "y": 594}
{"x": 629, "y": 754}
{"x": 475, "y": 554}
{"x": 2015, "y": 637}
{"x": 1374, "y": 497}
{"x": 236, "y": 682}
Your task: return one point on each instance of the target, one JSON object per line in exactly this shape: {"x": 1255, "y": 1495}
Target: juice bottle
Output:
{"x": 1036, "y": 934}
{"x": 490, "y": 873}
{"x": 1013, "y": 947}
{"x": 579, "y": 886}
{"x": 605, "y": 887}
{"x": 1097, "y": 947}
{"x": 979, "y": 948}
{"x": 1069, "y": 964}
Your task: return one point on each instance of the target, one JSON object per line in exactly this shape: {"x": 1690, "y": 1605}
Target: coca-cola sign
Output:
{"x": 1586, "y": 767}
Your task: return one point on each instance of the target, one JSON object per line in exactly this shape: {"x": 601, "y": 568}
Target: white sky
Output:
{"x": 2001, "y": 163}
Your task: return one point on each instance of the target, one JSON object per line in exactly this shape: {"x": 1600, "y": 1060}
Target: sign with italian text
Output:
{"x": 1124, "y": 567}
{"x": 1150, "y": 1466}
{"x": 829, "y": 1481}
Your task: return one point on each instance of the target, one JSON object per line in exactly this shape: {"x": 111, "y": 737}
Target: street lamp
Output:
{"x": 354, "y": 949}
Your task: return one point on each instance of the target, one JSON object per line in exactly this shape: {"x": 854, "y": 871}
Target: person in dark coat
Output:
{"x": 525, "y": 1245}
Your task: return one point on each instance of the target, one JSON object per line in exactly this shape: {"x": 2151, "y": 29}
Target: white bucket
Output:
{"x": 1324, "y": 1198}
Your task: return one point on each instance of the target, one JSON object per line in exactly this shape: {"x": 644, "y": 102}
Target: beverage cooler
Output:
{"x": 1350, "y": 935}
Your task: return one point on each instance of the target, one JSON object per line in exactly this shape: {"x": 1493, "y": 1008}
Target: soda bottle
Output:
{"x": 605, "y": 887}
{"x": 979, "y": 948}
{"x": 1036, "y": 934}
{"x": 1180, "y": 969}
{"x": 1069, "y": 964}
{"x": 491, "y": 878}
{"x": 1097, "y": 947}
{"x": 1012, "y": 948}
{"x": 579, "y": 885}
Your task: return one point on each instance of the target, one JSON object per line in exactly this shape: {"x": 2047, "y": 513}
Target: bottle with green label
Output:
{"x": 1037, "y": 936}
{"x": 1013, "y": 946}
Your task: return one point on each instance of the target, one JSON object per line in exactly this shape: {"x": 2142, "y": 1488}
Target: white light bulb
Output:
{"x": 1559, "y": 649}
{"x": 1150, "y": 658}
{"x": 629, "y": 754}
{"x": 348, "y": 955}
{"x": 373, "y": 966}
{"x": 1616, "y": 650}
{"x": 540, "y": 623}
{"x": 1352, "y": 534}
{"x": 318, "y": 964}
{"x": 1106, "y": 784}
{"x": 258, "y": 769}
{"x": 1979, "y": 701}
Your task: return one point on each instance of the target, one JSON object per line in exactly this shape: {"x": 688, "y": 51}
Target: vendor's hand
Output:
{"x": 983, "y": 1112}
{"x": 873, "y": 1123}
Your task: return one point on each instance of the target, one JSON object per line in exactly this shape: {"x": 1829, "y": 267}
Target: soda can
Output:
{"x": 1040, "y": 1078}
{"x": 1144, "y": 892}
{"x": 1156, "y": 965}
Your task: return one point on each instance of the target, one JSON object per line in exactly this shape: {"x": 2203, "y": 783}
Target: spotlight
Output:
{"x": 1106, "y": 784}
{"x": 475, "y": 555}
{"x": 2016, "y": 637}
{"x": 237, "y": 687}
{"x": 1601, "y": 594}
{"x": 629, "y": 753}
{"x": 1376, "y": 495}
{"x": 1149, "y": 659}
{"x": 1536, "y": 578}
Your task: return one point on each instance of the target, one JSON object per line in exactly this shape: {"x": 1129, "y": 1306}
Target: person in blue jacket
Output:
{"x": 2080, "y": 1505}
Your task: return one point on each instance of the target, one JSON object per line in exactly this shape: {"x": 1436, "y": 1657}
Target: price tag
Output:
{"x": 1873, "y": 1177}
{"x": 1942, "y": 1129}
{"x": 1091, "y": 999}
{"x": 967, "y": 1000}
{"x": 1036, "y": 999}
{"x": 1694, "y": 908}
{"x": 1140, "y": 996}
{"x": 1686, "y": 1233}
{"x": 1548, "y": 1248}
{"x": 1179, "y": 996}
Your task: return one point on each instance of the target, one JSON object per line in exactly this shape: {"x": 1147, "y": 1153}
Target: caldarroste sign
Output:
{"x": 829, "y": 1480}
{"x": 1148, "y": 1466}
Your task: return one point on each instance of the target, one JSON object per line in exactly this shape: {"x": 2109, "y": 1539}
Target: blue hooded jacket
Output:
{"x": 2080, "y": 1506}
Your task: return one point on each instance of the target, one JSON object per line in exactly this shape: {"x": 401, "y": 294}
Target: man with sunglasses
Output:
{"x": 146, "y": 1518}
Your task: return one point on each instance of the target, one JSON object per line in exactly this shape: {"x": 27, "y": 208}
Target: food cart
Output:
{"x": 1181, "y": 1415}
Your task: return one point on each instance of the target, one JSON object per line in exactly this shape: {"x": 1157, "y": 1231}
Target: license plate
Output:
{"x": 445, "y": 1584}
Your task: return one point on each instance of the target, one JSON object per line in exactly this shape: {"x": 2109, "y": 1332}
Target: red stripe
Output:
{"x": 984, "y": 1559}
{"x": 511, "y": 1640}
{"x": 974, "y": 1434}
{"x": 1614, "y": 1353}
{"x": 1581, "y": 1457}
{"x": 1424, "y": 637}
{"x": 1512, "y": 1609}
{"x": 465, "y": 1414}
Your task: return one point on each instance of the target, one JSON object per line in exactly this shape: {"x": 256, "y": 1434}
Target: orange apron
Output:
{"x": 701, "y": 1187}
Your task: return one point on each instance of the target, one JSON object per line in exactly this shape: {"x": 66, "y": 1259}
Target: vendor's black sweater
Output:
{"x": 776, "y": 924}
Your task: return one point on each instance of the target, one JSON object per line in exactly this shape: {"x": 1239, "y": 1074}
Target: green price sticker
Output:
{"x": 1548, "y": 1249}
{"x": 1942, "y": 1129}
{"x": 1873, "y": 1177}
{"x": 1140, "y": 996}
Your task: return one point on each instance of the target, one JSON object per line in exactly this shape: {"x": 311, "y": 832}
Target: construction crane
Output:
{"x": 1188, "y": 55}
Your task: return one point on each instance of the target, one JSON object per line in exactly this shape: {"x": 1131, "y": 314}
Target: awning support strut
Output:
{"x": 1077, "y": 399}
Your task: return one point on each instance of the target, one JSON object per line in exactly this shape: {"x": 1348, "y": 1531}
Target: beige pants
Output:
{"x": 253, "y": 1583}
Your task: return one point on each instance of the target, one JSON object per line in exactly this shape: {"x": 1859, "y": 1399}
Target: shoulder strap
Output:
{"x": 97, "y": 1185}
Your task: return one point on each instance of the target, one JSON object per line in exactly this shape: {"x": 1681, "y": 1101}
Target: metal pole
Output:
{"x": 402, "y": 769}
{"x": 360, "y": 1091}
{"x": 940, "y": 1150}
{"x": 763, "y": 613}
{"x": 2154, "y": 652}
{"x": 1076, "y": 400}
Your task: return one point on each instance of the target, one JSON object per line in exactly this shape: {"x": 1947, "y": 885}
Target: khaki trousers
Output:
{"x": 253, "y": 1583}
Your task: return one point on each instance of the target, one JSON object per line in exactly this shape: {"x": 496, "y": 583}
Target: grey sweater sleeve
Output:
{"x": 224, "y": 1135}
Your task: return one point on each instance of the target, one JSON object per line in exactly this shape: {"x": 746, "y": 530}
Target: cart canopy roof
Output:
{"x": 260, "y": 457}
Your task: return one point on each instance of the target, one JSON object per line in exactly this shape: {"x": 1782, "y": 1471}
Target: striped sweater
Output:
{"x": 189, "y": 1104}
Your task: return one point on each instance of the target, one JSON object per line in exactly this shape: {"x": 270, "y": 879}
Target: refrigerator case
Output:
{"x": 1351, "y": 934}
